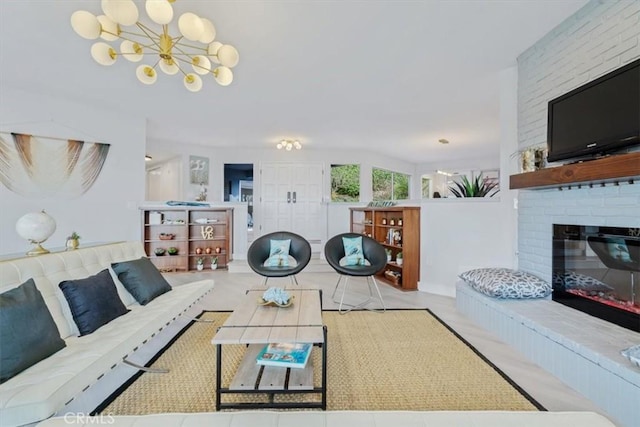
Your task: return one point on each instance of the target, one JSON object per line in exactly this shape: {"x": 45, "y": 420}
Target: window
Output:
{"x": 426, "y": 186}
{"x": 345, "y": 183}
{"x": 388, "y": 185}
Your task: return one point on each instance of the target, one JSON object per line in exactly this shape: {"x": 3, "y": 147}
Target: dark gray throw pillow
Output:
{"x": 142, "y": 279}
{"x": 94, "y": 301}
{"x": 28, "y": 333}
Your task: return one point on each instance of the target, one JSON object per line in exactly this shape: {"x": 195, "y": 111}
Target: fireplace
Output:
{"x": 597, "y": 270}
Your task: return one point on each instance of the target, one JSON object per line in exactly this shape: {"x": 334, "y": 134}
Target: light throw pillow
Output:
{"x": 278, "y": 253}
{"x": 142, "y": 279}
{"x": 353, "y": 254}
{"x": 93, "y": 301}
{"x": 28, "y": 332}
{"x": 506, "y": 283}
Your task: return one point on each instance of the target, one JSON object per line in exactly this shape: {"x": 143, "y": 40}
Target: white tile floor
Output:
{"x": 542, "y": 386}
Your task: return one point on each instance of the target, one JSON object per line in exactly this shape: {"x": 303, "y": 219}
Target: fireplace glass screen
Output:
{"x": 597, "y": 270}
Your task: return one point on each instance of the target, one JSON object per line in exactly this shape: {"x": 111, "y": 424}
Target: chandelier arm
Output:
{"x": 146, "y": 32}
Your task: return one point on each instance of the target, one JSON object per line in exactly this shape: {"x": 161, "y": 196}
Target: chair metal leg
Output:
{"x": 265, "y": 281}
{"x": 363, "y": 304}
{"x": 294, "y": 279}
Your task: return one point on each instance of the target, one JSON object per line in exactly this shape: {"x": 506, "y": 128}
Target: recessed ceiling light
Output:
{"x": 443, "y": 141}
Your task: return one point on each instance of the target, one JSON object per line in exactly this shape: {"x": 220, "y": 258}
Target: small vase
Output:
{"x": 399, "y": 261}
{"x": 72, "y": 244}
{"x": 200, "y": 267}
{"x": 388, "y": 258}
{"x": 214, "y": 266}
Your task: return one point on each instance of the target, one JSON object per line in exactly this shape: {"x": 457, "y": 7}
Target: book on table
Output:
{"x": 286, "y": 355}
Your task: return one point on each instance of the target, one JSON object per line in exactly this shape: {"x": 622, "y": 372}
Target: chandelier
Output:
{"x": 192, "y": 52}
{"x": 288, "y": 144}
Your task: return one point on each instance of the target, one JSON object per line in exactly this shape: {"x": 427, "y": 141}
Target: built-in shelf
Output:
{"x": 621, "y": 167}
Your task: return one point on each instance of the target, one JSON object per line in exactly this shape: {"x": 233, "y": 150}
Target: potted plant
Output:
{"x": 73, "y": 241}
{"x": 200, "y": 263}
{"x": 214, "y": 262}
{"x": 475, "y": 187}
{"x": 388, "y": 251}
{"x": 172, "y": 250}
{"x": 399, "y": 258}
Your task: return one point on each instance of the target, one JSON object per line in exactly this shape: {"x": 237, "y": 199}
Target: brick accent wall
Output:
{"x": 600, "y": 37}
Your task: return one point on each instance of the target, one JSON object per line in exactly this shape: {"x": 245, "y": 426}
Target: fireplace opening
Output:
{"x": 597, "y": 270}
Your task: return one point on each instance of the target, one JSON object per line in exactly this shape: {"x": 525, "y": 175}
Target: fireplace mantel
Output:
{"x": 621, "y": 167}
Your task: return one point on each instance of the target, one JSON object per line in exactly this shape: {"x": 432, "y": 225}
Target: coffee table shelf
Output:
{"x": 255, "y": 326}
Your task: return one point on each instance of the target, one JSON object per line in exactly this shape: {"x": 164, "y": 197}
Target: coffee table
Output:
{"x": 255, "y": 326}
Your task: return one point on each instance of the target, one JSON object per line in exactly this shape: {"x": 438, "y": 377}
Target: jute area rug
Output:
{"x": 399, "y": 360}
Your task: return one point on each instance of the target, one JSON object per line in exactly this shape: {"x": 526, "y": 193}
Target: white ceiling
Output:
{"x": 389, "y": 76}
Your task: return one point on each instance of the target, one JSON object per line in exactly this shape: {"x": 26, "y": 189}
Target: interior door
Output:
{"x": 291, "y": 199}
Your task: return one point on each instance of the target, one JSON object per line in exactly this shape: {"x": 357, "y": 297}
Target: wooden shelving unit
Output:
{"x": 380, "y": 224}
{"x": 617, "y": 167}
{"x": 196, "y": 229}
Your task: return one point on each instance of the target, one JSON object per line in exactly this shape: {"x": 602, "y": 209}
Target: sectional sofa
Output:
{"x": 89, "y": 367}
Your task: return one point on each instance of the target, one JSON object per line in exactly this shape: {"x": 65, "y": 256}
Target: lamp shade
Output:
{"x": 209, "y": 33}
{"x": 160, "y": 11}
{"x": 131, "y": 51}
{"x": 228, "y": 56}
{"x": 123, "y": 12}
{"x": 85, "y": 24}
{"x": 212, "y": 50}
{"x": 146, "y": 74}
{"x": 191, "y": 26}
{"x": 103, "y": 54}
{"x": 201, "y": 64}
{"x": 168, "y": 66}
{"x": 223, "y": 75}
{"x": 193, "y": 82}
{"x": 109, "y": 29}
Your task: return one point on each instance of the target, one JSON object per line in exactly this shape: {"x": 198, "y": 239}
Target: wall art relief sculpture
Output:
{"x": 37, "y": 166}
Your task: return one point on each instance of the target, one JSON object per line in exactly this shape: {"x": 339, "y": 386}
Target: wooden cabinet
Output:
{"x": 398, "y": 230}
{"x": 195, "y": 232}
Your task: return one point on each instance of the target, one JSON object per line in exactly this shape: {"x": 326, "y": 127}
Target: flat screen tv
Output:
{"x": 601, "y": 117}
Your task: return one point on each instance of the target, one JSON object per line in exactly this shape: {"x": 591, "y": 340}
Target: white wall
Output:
{"x": 108, "y": 211}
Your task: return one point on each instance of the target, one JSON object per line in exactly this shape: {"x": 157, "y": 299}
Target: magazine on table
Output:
{"x": 286, "y": 355}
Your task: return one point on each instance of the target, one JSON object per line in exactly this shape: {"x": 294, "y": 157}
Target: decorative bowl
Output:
{"x": 159, "y": 251}
{"x": 167, "y": 236}
{"x": 172, "y": 250}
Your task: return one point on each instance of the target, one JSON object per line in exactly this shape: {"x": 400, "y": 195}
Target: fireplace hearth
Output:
{"x": 597, "y": 270}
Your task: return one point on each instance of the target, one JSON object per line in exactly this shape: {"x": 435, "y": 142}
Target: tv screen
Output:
{"x": 597, "y": 118}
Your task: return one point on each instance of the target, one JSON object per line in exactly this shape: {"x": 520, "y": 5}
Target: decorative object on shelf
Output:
{"x": 392, "y": 276}
{"x": 400, "y": 222}
{"x": 199, "y": 170}
{"x": 475, "y": 187}
{"x": 392, "y": 221}
{"x": 43, "y": 166}
{"x": 206, "y": 232}
{"x": 36, "y": 227}
{"x": 167, "y": 236}
{"x": 159, "y": 251}
{"x": 194, "y": 48}
{"x": 399, "y": 258}
{"x": 172, "y": 250}
{"x": 218, "y": 249}
{"x": 202, "y": 196}
{"x": 208, "y": 250}
{"x": 532, "y": 158}
{"x": 73, "y": 241}
{"x": 198, "y": 250}
{"x": 397, "y": 238}
{"x": 381, "y": 203}
{"x": 276, "y": 297}
{"x": 155, "y": 218}
{"x": 384, "y": 221}
{"x": 388, "y": 252}
{"x": 200, "y": 264}
{"x": 289, "y": 144}
{"x": 214, "y": 262}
